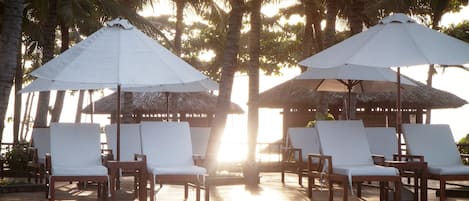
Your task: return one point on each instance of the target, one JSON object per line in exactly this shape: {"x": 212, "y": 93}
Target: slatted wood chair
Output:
{"x": 41, "y": 146}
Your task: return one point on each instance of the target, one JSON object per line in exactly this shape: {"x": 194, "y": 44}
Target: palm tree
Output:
{"x": 226, "y": 83}
{"x": 10, "y": 37}
{"x": 251, "y": 172}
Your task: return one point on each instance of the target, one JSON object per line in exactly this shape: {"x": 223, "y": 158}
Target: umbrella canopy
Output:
{"x": 352, "y": 78}
{"x": 154, "y": 102}
{"x": 40, "y": 84}
{"x": 396, "y": 41}
{"x": 348, "y": 78}
{"x": 121, "y": 55}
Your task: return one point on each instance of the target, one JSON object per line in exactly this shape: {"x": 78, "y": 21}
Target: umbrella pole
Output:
{"x": 349, "y": 104}
{"x": 91, "y": 103}
{"x": 399, "y": 113}
{"x": 118, "y": 122}
{"x": 167, "y": 105}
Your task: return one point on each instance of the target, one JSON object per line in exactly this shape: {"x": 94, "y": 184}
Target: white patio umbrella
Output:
{"x": 121, "y": 57}
{"x": 352, "y": 78}
{"x": 396, "y": 41}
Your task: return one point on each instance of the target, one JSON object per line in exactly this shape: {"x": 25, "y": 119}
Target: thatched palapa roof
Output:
{"x": 154, "y": 102}
{"x": 294, "y": 93}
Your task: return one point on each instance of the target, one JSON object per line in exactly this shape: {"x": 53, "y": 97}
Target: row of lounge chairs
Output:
{"x": 72, "y": 152}
{"x": 346, "y": 152}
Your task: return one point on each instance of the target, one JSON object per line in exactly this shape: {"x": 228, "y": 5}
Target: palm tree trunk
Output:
{"x": 308, "y": 32}
{"x": 251, "y": 171}
{"x": 18, "y": 100}
{"x": 81, "y": 95}
{"x": 180, "y": 4}
{"x": 60, "y": 96}
{"x": 329, "y": 30}
{"x": 48, "y": 53}
{"x": 10, "y": 37}
{"x": 226, "y": 84}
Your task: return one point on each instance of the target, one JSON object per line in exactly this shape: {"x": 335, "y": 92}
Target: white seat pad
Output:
{"x": 177, "y": 170}
{"x": 80, "y": 171}
{"x": 449, "y": 170}
{"x": 365, "y": 170}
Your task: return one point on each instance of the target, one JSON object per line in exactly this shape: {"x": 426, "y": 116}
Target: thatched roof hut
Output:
{"x": 294, "y": 93}
{"x": 299, "y": 103}
{"x": 197, "y": 107}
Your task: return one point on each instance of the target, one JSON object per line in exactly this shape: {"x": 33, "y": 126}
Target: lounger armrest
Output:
{"x": 140, "y": 157}
{"x": 48, "y": 165}
{"x": 291, "y": 155}
{"x": 378, "y": 159}
{"x": 107, "y": 153}
{"x": 198, "y": 159}
{"x": 317, "y": 163}
{"x": 408, "y": 157}
{"x": 33, "y": 155}
{"x": 464, "y": 156}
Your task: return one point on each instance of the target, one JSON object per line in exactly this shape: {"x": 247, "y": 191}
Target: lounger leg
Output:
{"x": 207, "y": 191}
{"x": 382, "y": 191}
{"x": 310, "y": 186}
{"x": 186, "y": 191}
{"x": 197, "y": 192}
{"x": 397, "y": 191}
{"x": 300, "y": 177}
{"x": 442, "y": 190}
{"x": 359, "y": 190}
{"x": 152, "y": 187}
{"x": 283, "y": 176}
{"x": 52, "y": 189}
{"x": 331, "y": 191}
{"x": 345, "y": 195}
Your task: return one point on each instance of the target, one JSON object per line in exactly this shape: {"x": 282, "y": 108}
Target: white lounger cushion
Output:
{"x": 76, "y": 149}
{"x": 345, "y": 141}
{"x": 305, "y": 139}
{"x": 449, "y": 170}
{"x": 80, "y": 171}
{"x": 365, "y": 170}
{"x": 177, "y": 170}
{"x": 168, "y": 148}
{"x": 434, "y": 142}
{"x": 129, "y": 140}
{"x": 200, "y": 137}
{"x": 383, "y": 141}
{"x": 41, "y": 140}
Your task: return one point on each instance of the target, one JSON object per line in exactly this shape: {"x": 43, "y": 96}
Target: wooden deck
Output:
{"x": 269, "y": 189}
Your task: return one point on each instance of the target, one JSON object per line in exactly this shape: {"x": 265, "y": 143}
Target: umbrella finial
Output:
{"x": 120, "y": 22}
{"x": 397, "y": 18}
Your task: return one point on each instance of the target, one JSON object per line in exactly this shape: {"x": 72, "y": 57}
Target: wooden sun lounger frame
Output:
{"x": 315, "y": 171}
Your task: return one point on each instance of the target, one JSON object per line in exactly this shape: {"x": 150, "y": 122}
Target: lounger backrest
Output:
{"x": 305, "y": 139}
{"x": 433, "y": 141}
{"x": 199, "y": 137}
{"x": 75, "y": 145}
{"x": 383, "y": 141}
{"x": 345, "y": 141}
{"x": 129, "y": 140}
{"x": 41, "y": 140}
{"x": 166, "y": 143}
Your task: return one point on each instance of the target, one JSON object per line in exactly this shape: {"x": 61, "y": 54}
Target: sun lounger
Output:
{"x": 41, "y": 147}
{"x": 75, "y": 155}
{"x": 167, "y": 148}
{"x": 300, "y": 142}
{"x": 436, "y": 144}
{"x": 346, "y": 154}
{"x": 199, "y": 138}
